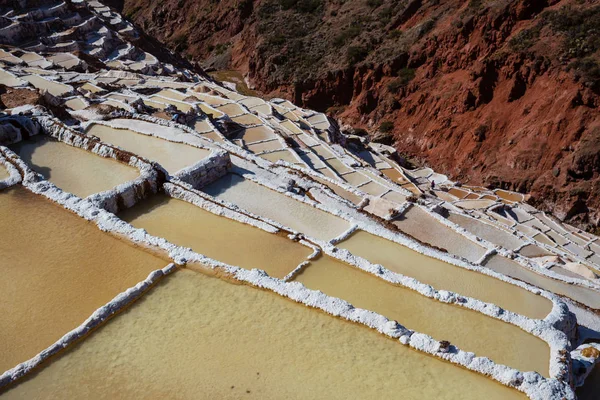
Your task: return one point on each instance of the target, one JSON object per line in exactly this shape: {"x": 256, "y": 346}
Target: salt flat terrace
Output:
{"x": 73, "y": 169}
{"x": 240, "y": 334}
{"x": 57, "y": 270}
{"x": 416, "y": 272}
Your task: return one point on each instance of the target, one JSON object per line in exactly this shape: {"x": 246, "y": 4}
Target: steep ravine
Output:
{"x": 497, "y": 93}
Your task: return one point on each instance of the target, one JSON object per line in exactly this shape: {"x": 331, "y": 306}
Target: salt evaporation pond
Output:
{"x": 172, "y": 156}
{"x": 57, "y": 269}
{"x": 72, "y": 169}
{"x": 507, "y": 267}
{"x": 193, "y": 334}
{"x": 487, "y": 231}
{"x": 220, "y": 238}
{"x": 419, "y": 224}
{"x": 3, "y": 173}
{"x": 268, "y": 203}
{"x": 444, "y": 276}
{"x": 502, "y": 342}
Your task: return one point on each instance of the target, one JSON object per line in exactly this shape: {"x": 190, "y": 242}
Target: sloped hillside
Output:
{"x": 500, "y": 93}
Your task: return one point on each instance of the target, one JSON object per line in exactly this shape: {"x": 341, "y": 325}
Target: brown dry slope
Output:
{"x": 503, "y": 92}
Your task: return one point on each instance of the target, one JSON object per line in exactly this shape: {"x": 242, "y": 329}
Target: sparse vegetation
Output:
{"x": 348, "y": 34}
{"x": 581, "y": 28}
{"x": 587, "y": 70}
{"x": 405, "y": 75}
{"x": 356, "y": 54}
{"x": 523, "y": 40}
{"x": 181, "y": 41}
{"x": 374, "y": 3}
{"x": 386, "y": 126}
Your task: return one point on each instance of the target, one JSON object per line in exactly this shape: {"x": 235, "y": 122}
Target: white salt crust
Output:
{"x": 351, "y": 216}
{"x": 14, "y": 177}
{"x": 124, "y": 195}
{"x": 533, "y": 384}
{"x": 558, "y": 317}
{"x": 509, "y": 253}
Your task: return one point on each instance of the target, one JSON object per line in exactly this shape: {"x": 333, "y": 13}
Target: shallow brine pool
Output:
{"x": 73, "y": 169}
{"x": 197, "y": 337}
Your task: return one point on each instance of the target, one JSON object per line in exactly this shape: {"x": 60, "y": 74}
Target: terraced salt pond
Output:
{"x": 172, "y": 156}
{"x": 195, "y": 334}
{"x": 57, "y": 269}
{"x": 503, "y": 343}
{"x": 217, "y": 237}
{"x": 55, "y": 88}
{"x": 441, "y": 275}
{"x": 419, "y": 224}
{"x": 278, "y": 207}
{"x": 505, "y": 266}
{"x": 72, "y": 169}
{"x": 487, "y": 231}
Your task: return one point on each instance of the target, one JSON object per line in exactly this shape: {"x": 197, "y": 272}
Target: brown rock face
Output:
{"x": 497, "y": 93}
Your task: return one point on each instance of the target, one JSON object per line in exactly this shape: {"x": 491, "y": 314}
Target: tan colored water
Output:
{"x": 338, "y": 166}
{"x": 258, "y": 133}
{"x": 355, "y": 178}
{"x": 284, "y": 155}
{"x": 510, "y": 196}
{"x": 232, "y": 109}
{"x": 419, "y": 224}
{"x": 510, "y": 268}
{"x": 442, "y": 275}
{"x": 55, "y": 88}
{"x": 197, "y": 337}
{"x": 265, "y": 146}
{"x": 395, "y": 197}
{"x": 91, "y": 87}
{"x": 172, "y": 156}
{"x": 474, "y": 204}
{"x": 3, "y": 173}
{"x": 458, "y": 193}
{"x": 75, "y": 104}
{"x": 487, "y": 231}
{"x": 72, "y": 169}
{"x": 503, "y": 343}
{"x": 217, "y": 237}
{"x": 373, "y": 188}
{"x": 181, "y": 106}
{"x": 263, "y": 201}
{"x": 291, "y": 127}
{"x": 9, "y": 79}
{"x": 246, "y": 119}
{"x": 57, "y": 269}
{"x": 340, "y": 191}
{"x": 394, "y": 175}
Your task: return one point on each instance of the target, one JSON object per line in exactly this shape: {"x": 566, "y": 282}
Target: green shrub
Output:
{"x": 356, "y": 54}
{"x": 523, "y": 40}
{"x": 180, "y": 41}
{"x": 386, "y": 126}
{"x": 374, "y": 3}
{"x": 588, "y": 70}
{"x": 348, "y": 34}
{"x": 405, "y": 75}
{"x": 581, "y": 28}
{"x": 221, "y": 48}
{"x": 303, "y": 6}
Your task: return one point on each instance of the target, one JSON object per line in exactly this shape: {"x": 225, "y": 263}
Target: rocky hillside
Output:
{"x": 504, "y": 93}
